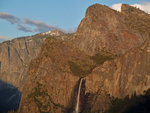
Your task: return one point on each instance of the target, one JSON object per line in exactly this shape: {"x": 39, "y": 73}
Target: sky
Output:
{"x": 28, "y": 17}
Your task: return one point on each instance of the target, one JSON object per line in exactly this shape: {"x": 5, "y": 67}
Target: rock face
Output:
{"x": 15, "y": 56}
{"x": 124, "y": 75}
{"x": 105, "y": 29}
{"x": 51, "y": 81}
{"x": 91, "y": 53}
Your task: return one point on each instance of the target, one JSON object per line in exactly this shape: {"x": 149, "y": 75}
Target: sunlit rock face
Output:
{"x": 105, "y": 29}
{"x": 16, "y": 54}
{"x": 107, "y": 50}
{"x": 9, "y": 97}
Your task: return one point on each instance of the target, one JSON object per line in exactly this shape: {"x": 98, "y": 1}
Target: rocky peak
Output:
{"x": 125, "y": 8}
{"x": 97, "y": 9}
{"x": 105, "y": 29}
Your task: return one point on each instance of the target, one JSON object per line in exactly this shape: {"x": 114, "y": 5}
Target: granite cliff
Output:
{"x": 110, "y": 51}
{"x": 16, "y": 54}
{"x": 116, "y": 32}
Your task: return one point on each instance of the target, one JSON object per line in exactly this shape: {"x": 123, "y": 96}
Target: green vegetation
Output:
{"x": 78, "y": 70}
{"x": 43, "y": 100}
{"x": 80, "y": 64}
{"x": 82, "y": 67}
{"x": 134, "y": 104}
{"x": 87, "y": 111}
{"x": 100, "y": 58}
{"x": 12, "y": 112}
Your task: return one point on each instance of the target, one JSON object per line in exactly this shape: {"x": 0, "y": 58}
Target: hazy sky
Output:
{"x": 28, "y": 17}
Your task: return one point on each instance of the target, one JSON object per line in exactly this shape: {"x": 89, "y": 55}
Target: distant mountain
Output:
{"x": 2, "y": 40}
{"x": 54, "y": 33}
{"x": 110, "y": 52}
{"x": 16, "y": 54}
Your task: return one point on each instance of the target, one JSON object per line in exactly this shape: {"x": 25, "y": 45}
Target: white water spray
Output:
{"x": 78, "y": 97}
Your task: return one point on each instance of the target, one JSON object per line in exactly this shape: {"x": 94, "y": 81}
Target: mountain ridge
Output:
{"x": 107, "y": 50}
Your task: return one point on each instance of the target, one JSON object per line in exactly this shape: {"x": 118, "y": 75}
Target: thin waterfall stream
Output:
{"x": 77, "y": 108}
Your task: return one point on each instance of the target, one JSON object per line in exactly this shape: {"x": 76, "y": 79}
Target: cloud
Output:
{"x": 4, "y": 38}
{"x": 12, "y": 19}
{"x": 23, "y": 28}
{"x": 70, "y": 30}
{"x": 117, "y": 6}
{"x": 39, "y": 25}
{"x": 27, "y": 25}
{"x": 145, "y": 6}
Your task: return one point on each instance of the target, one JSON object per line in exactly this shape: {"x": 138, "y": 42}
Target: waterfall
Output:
{"x": 78, "y": 97}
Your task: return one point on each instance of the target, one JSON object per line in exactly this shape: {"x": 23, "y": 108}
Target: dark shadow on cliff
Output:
{"x": 9, "y": 97}
{"x": 87, "y": 100}
{"x": 134, "y": 104}
{"x": 83, "y": 98}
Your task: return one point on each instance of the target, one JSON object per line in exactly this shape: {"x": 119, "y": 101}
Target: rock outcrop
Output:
{"x": 110, "y": 53}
